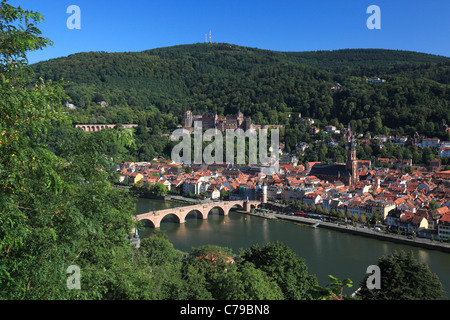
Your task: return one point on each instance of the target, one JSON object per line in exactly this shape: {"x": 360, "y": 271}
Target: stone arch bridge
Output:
{"x": 98, "y": 127}
{"x": 202, "y": 210}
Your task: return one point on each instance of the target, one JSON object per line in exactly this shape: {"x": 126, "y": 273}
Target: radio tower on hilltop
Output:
{"x": 206, "y": 37}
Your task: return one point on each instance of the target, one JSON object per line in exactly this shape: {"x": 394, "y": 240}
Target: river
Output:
{"x": 326, "y": 252}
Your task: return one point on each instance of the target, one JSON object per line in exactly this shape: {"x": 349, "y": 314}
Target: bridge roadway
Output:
{"x": 202, "y": 210}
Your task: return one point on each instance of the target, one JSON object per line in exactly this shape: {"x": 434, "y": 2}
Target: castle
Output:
{"x": 214, "y": 121}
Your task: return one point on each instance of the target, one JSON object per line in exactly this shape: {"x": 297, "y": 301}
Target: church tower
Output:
{"x": 352, "y": 162}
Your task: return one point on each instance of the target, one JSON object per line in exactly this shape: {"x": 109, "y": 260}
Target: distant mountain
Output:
{"x": 264, "y": 84}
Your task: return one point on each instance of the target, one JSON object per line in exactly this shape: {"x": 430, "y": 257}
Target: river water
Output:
{"x": 326, "y": 252}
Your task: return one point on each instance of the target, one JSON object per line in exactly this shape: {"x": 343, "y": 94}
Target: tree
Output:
{"x": 207, "y": 262}
{"x": 433, "y": 205}
{"x": 159, "y": 189}
{"x": 245, "y": 282}
{"x": 403, "y": 278}
{"x": 319, "y": 209}
{"x": 98, "y": 98}
{"x": 304, "y": 207}
{"x": 224, "y": 195}
{"x": 158, "y": 251}
{"x": 58, "y": 209}
{"x": 284, "y": 267}
{"x": 333, "y": 212}
{"x": 323, "y": 150}
{"x": 348, "y": 214}
{"x": 334, "y": 290}
{"x": 365, "y": 218}
{"x": 341, "y": 214}
{"x": 409, "y": 170}
{"x": 374, "y": 219}
{"x": 210, "y": 258}
{"x": 376, "y": 125}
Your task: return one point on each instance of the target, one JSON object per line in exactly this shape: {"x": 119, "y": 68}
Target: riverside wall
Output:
{"x": 364, "y": 232}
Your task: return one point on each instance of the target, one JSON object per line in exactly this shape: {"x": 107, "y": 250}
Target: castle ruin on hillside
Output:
{"x": 214, "y": 121}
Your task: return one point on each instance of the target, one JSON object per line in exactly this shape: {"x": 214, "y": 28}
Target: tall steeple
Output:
{"x": 352, "y": 162}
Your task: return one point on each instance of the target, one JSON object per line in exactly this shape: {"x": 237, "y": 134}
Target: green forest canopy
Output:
{"x": 263, "y": 84}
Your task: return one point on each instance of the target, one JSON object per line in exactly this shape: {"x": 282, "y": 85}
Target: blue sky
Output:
{"x": 283, "y": 25}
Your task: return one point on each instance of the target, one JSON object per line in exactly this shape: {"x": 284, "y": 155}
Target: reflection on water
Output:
{"x": 326, "y": 252}
{"x": 423, "y": 255}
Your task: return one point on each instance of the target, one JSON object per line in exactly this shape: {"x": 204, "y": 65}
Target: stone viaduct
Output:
{"x": 98, "y": 127}
{"x": 201, "y": 210}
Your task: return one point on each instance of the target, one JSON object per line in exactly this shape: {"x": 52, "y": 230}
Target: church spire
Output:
{"x": 352, "y": 161}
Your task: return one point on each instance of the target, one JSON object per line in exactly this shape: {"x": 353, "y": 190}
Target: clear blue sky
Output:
{"x": 283, "y": 25}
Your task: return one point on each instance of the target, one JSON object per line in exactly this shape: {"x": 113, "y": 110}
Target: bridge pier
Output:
{"x": 247, "y": 206}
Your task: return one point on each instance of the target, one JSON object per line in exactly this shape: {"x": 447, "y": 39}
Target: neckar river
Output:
{"x": 326, "y": 252}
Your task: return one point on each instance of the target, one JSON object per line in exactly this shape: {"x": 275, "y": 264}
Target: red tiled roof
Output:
{"x": 445, "y": 218}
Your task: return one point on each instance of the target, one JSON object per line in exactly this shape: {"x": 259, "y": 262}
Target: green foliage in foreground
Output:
{"x": 404, "y": 278}
{"x": 212, "y": 272}
{"x": 56, "y": 210}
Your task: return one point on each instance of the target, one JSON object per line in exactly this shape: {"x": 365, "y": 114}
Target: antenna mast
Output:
{"x": 210, "y": 36}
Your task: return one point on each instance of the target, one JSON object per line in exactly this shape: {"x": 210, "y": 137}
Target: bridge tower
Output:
{"x": 247, "y": 206}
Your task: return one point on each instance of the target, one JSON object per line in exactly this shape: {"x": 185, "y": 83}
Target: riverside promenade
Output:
{"x": 365, "y": 232}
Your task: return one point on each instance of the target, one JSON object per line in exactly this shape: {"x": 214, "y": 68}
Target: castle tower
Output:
{"x": 352, "y": 162}
{"x": 239, "y": 118}
{"x": 209, "y": 120}
{"x": 188, "y": 119}
{"x": 247, "y": 123}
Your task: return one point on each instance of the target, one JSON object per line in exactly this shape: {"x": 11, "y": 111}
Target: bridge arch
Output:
{"x": 197, "y": 213}
{"x": 146, "y": 223}
{"x": 237, "y": 206}
{"x": 173, "y": 216}
{"x": 222, "y": 211}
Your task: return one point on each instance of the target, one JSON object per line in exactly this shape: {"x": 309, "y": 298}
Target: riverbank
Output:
{"x": 365, "y": 232}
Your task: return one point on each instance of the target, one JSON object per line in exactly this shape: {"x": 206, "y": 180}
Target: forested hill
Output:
{"x": 264, "y": 84}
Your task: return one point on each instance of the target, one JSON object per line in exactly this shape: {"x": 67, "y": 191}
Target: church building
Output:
{"x": 348, "y": 173}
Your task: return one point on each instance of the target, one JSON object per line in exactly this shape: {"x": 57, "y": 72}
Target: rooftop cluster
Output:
{"x": 417, "y": 202}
